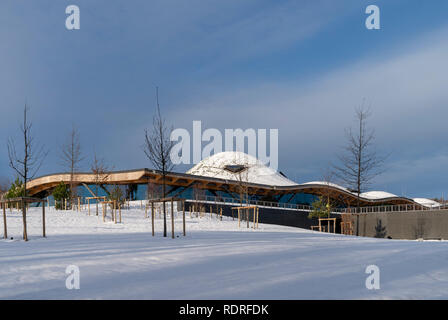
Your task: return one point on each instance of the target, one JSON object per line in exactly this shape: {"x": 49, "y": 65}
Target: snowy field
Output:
{"x": 215, "y": 261}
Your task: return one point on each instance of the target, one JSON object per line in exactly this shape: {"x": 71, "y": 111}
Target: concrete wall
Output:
{"x": 403, "y": 225}
{"x": 396, "y": 225}
{"x": 279, "y": 216}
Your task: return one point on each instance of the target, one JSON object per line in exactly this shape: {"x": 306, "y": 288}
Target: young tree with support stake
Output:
{"x": 71, "y": 157}
{"x": 26, "y": 165}
{"x": 321, "y": 208}
{"x": 359, "y": 163}
{"x": 101, "y": 173}
{"x": 324, "y": 205}
{"x": 242, "y": 178}
{"x": 157, "y": 148}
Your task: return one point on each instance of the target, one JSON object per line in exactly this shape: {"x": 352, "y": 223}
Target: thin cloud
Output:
{"x": 407, "y": 91}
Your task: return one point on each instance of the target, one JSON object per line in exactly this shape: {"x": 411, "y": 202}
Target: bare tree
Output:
{"x": 242, "y": 178}
{"x": 157, "y": 148}
{"x": 71, "y": 157}
{"x": 26, "y": 165}
{"x": 101, "y": 173}
{"x": 199, "y": 197}
{"x": 359, "y": 163}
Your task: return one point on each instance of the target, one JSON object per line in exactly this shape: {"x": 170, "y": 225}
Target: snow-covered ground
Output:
{"x": 215, "y": 261}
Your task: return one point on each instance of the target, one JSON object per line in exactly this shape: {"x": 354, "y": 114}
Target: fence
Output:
{"x": 394, "y": 208}
{"x": 235, "y": 201}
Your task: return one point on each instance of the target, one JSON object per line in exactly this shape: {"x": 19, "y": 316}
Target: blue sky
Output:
{"x": 299, "y": 66}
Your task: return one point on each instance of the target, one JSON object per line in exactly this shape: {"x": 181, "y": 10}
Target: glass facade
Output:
{"x": 139, "y": 192}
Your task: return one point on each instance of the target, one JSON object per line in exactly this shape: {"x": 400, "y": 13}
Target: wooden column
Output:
{"x": 172, "y": 219}
{"x": 5, "y": 229}
{"x": 238, "y": 217}
{"x": 255, "y": 209}
{"x": 25, "y": 234}
{"x": 183, "y": 216}
{"x": 257, "y": 217}
{"x": 152, "y": 217}
{"x": 43, "y": 219}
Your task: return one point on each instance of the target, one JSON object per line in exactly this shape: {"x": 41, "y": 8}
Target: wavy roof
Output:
{"x": 211, "y": 173}
{"x": 258, "y": 173}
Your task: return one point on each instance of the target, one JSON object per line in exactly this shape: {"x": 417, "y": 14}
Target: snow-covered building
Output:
{"x": 221, "y": 177}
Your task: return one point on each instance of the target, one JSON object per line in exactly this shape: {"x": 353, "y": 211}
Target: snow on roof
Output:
{"x": 255, "y": 172}
{"x": 427, "y": 202}
{"x": 370, "y": 195}
{"x": 374, "y": 195}
{"x": 326, "y": 184}
{"x": 239, "y": 166}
